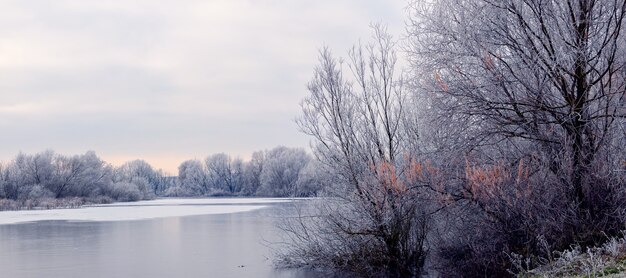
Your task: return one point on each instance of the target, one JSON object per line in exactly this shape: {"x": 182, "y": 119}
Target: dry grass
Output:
{"x": 608, "y": 260}
{"x": 51, "y": 203}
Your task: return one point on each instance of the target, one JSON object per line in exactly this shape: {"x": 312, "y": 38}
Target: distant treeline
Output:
{"x": 48, "y": 179}
{"x": 279, "y": 172}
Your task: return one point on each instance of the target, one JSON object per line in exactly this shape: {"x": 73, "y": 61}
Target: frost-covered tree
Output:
{"x": 312, "y": 179}
{"x": 8, "y": 186}
{"x": 524, "y": 109}
{"x": 47, "y": 175}
{"x": 35, "y": 180}
{"x": 524, "y": 77}
{"x": 252, "y": 173}
{"x": 192, "y": 178}
{"x": 79, "y": 175}
{"x": 280, "y": 172}
{"x": 126, "y": 191}
{"x": 34, "y": 169}
{"x": 225, "y": 173}
{"x": 137, "y": 170}
{"x": 237, "y": 176}
{"x": 356, "y": 114}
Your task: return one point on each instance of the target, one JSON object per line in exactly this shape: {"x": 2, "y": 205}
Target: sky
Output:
{"x": 167, "y": 80}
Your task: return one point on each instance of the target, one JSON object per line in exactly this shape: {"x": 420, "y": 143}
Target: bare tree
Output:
{"x": 356, "y": 114}
{"x": 546, "y": 72}
{"x": 530, "y": 87}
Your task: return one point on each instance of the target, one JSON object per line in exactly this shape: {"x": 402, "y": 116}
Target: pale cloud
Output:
{"x": 167, "y": 79}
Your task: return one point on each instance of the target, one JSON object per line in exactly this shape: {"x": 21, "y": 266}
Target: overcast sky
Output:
{"x": 169, "y": 80}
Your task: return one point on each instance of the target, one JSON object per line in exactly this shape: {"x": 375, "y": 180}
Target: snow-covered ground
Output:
{"x": 141, "y": 210}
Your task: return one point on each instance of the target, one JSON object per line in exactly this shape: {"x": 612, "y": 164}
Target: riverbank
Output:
{"x": 52, "y": 203}
{"x": 79, "y": 202}
{"x": 608, "y": 260}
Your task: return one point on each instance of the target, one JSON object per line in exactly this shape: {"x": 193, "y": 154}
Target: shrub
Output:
{"x": 379, "y": 232}
{"x": 125, "y": 192}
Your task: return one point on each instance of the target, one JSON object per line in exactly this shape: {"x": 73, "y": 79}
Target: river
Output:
{"x": 161, "y": 238}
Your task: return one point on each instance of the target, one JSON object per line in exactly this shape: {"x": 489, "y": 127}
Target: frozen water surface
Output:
{"x": 141, "y": 210}
{"x": 164, "y": 238}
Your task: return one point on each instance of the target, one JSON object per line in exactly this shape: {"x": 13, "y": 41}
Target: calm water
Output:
{"x": 218, "y": 245}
